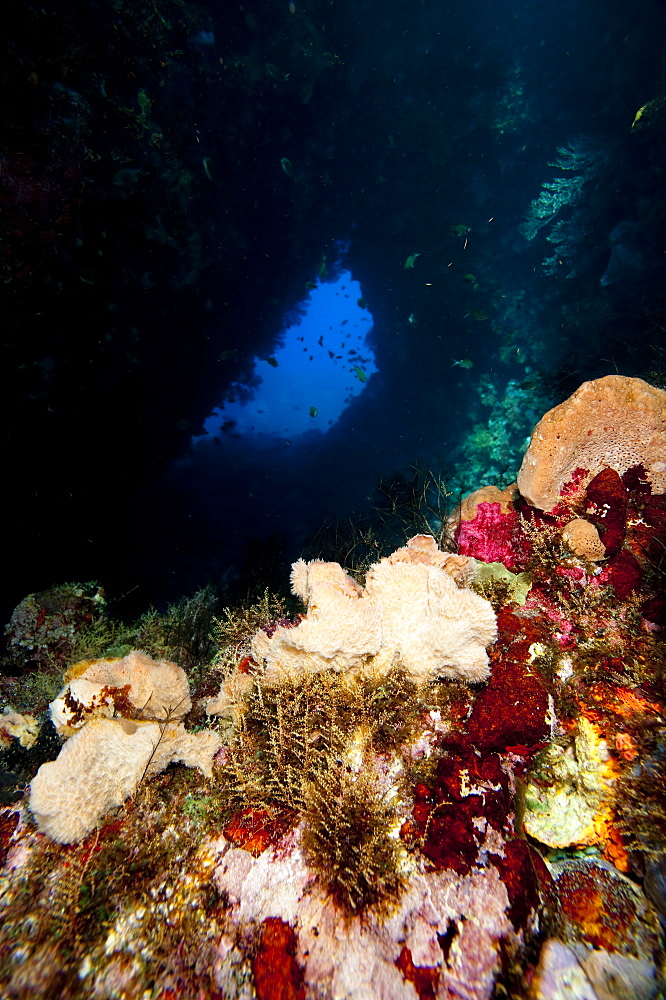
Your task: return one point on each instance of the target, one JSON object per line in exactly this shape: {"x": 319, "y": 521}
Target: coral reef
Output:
{"x": 44, "y": 626}
{"x": 362, "y": 820}
{"x": 449, "y": 924}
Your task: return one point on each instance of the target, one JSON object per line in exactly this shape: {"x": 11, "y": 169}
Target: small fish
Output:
{"x": 227, "y": 355}
{"x": 463, "y": 363}
{"x": 322, "y": 267}
{"x": 310, "y": 285}
{"x": 208, "y": 167}
{"x": 477, "y": 314}
{"x": 313, "y": 411}
{"x": 460, "y": 230}
{"x": 361, "y": 303}
{"x": 287, "y": 166}
{"x": 411, "y": 260}
{"x": 360, "y": 374}
{"x": 272, "y": 362}
{"x": 471, "y": 280}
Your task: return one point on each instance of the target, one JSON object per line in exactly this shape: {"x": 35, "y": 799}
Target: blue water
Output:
{"x": 321, "y": 363}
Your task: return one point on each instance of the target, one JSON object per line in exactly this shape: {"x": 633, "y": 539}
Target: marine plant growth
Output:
{"x": 365, "y": 798}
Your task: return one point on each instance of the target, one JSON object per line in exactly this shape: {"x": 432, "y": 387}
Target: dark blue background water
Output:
{"x": 154, "y": 242}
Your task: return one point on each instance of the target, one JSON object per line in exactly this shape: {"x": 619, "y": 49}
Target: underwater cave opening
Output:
{"x": 322, "y": 362}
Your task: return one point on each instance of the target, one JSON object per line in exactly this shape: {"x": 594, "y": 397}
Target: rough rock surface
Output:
{"x": 350, "y": 957}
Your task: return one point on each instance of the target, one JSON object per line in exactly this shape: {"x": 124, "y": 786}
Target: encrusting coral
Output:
{"x": 612, "y": 422}
{"x": 411, "y": 609}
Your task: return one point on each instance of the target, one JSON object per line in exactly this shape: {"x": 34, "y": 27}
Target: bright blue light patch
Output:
{"x": 323, "y": 363}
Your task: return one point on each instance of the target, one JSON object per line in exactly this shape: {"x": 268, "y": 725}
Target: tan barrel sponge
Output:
{"x": 611, "y": 422}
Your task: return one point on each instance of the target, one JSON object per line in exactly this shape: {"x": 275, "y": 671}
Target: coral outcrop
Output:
{"x": 44, "y": 625}
{"x": 614, "y": 422}
{"x": 411, "y": 609}
{"x": 466, "y": 917}
{"x": 102, "y": 765}
{"x": 373, "y": 824}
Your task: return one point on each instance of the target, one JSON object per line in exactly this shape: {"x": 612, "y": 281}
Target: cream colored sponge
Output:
{"x": 103, "y": 764}
{"x": 415, "y": 609}
{"x": 135, "y": 686}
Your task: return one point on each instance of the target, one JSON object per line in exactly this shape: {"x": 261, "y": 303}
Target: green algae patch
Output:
{"x": 494, "y": 580}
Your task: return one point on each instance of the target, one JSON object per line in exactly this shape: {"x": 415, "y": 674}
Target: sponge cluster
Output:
{"x": 124, "y": 716}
